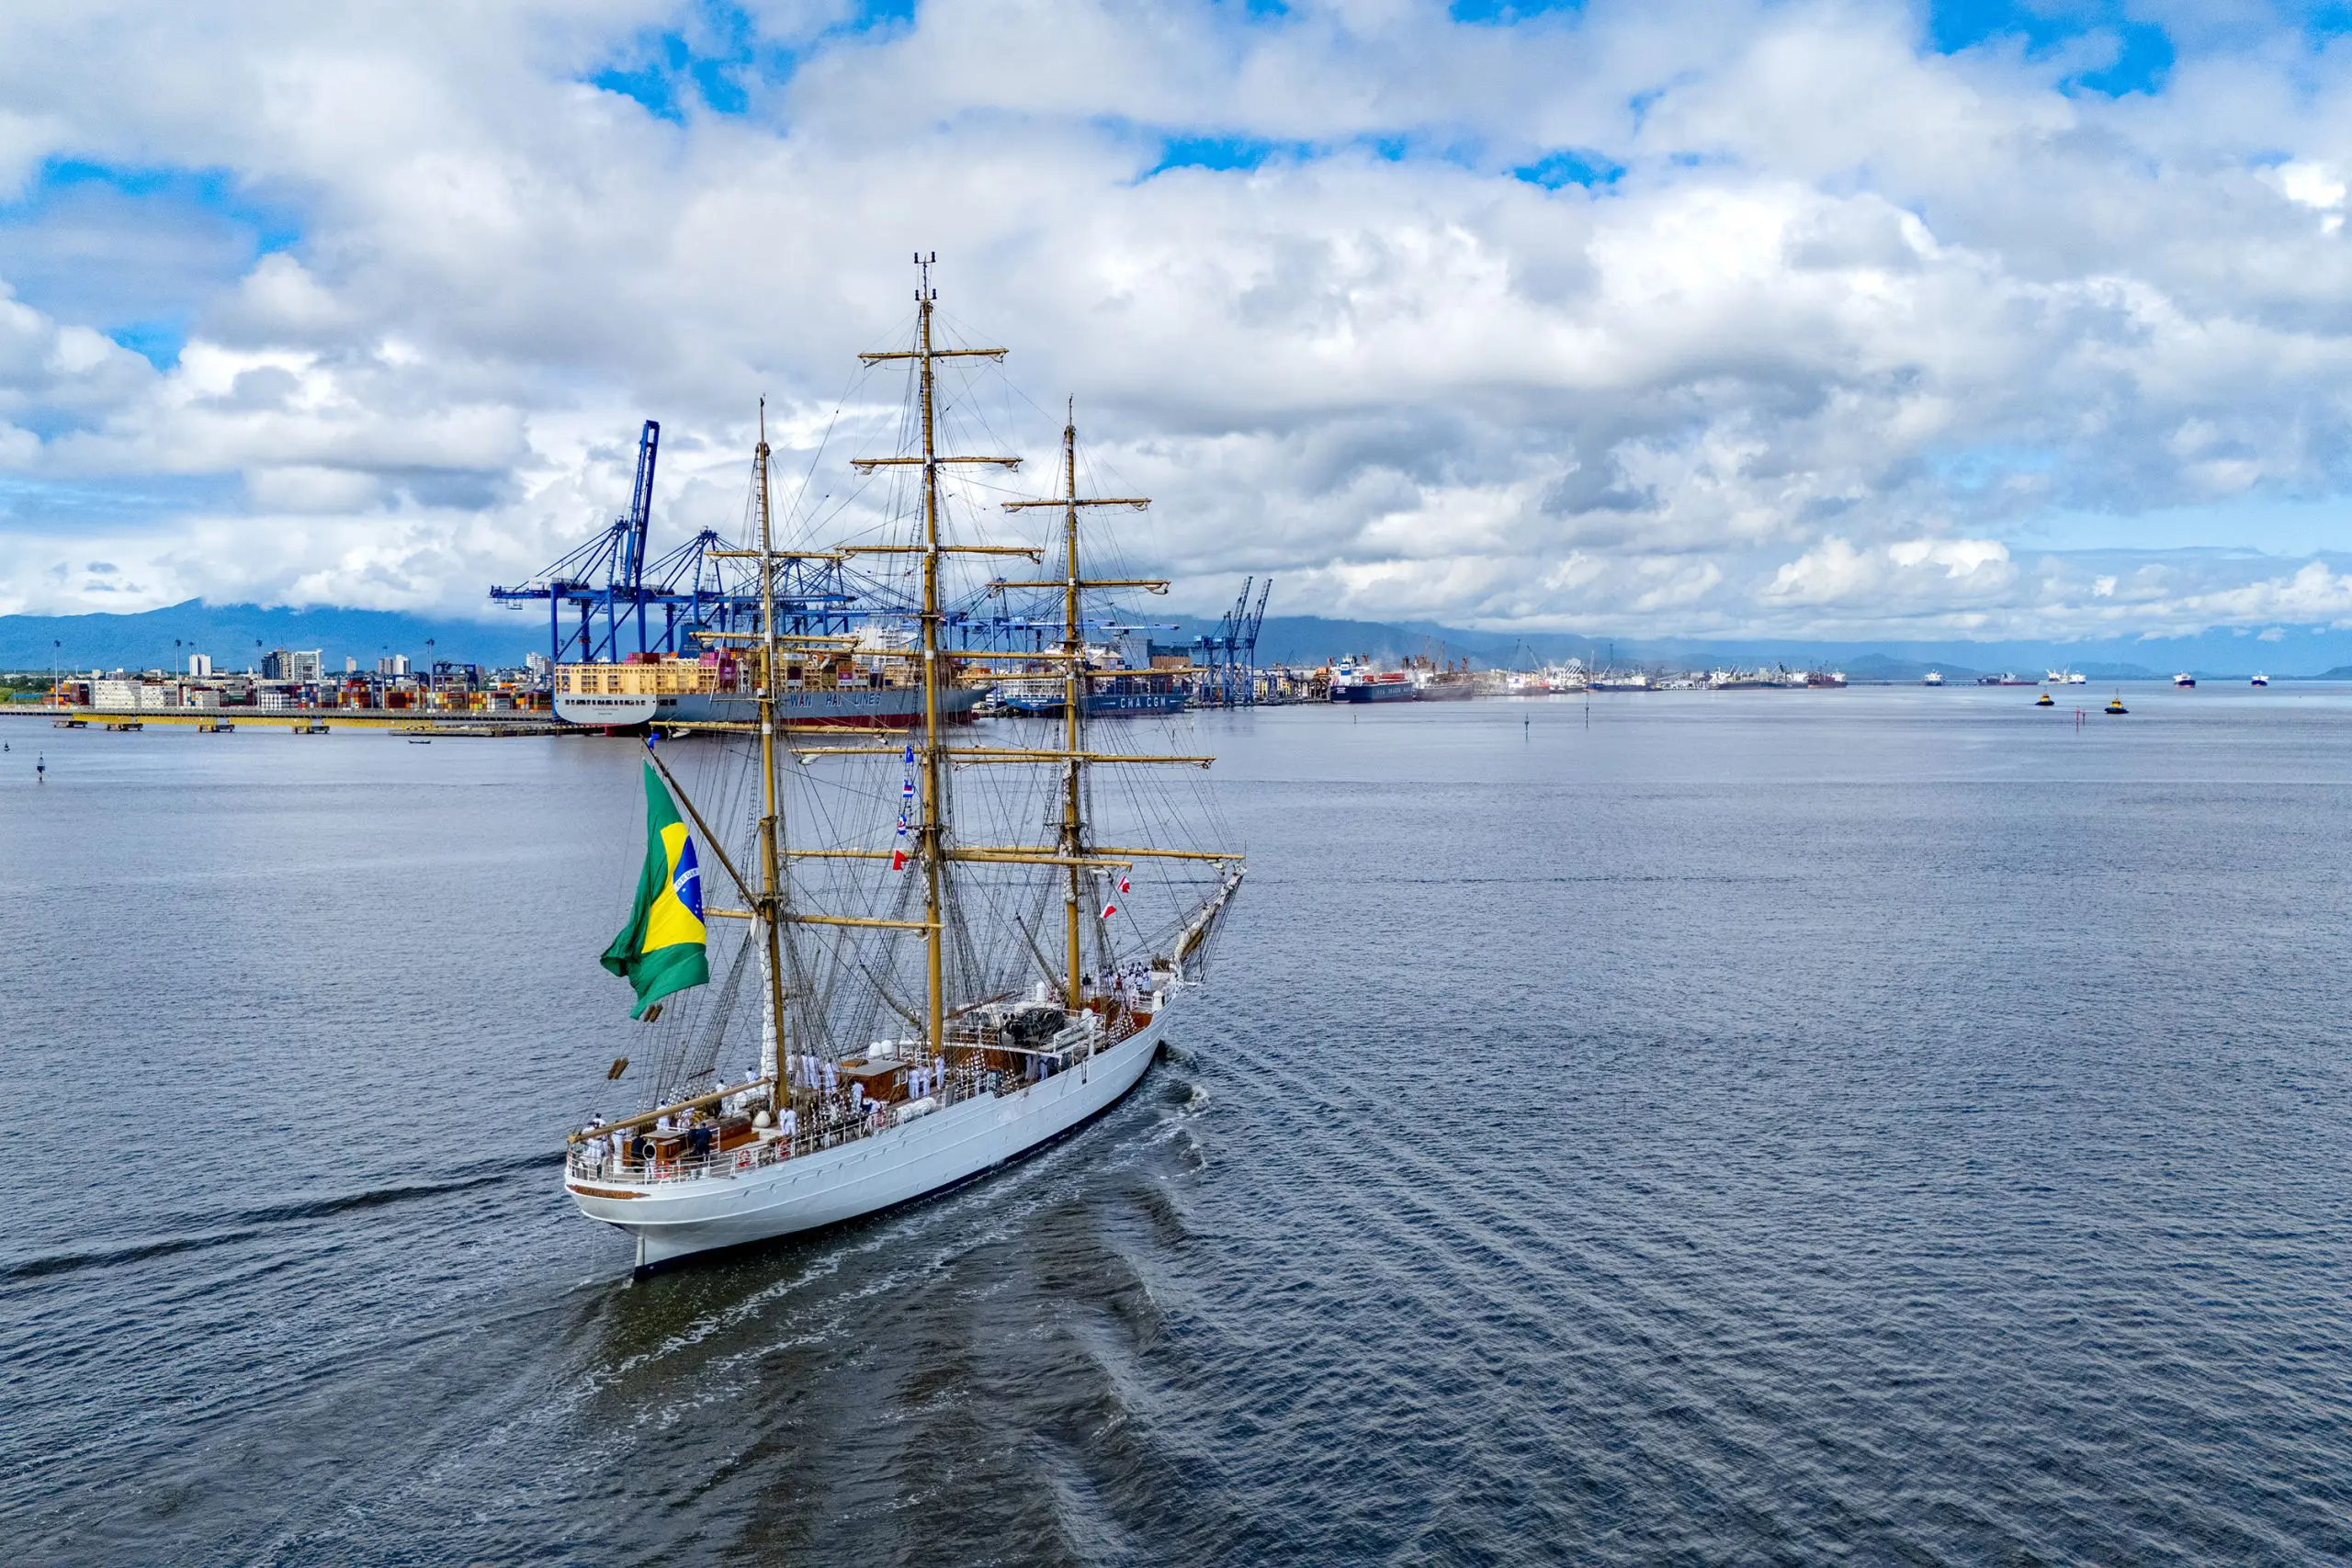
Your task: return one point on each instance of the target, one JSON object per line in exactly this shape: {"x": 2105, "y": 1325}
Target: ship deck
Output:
{"x": 871, "y": 1096}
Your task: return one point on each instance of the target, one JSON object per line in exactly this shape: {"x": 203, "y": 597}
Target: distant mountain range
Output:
{"x": 235, "y": 635}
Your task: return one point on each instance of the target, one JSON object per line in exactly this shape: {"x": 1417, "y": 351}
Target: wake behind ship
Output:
{"x": 924, "y": 987}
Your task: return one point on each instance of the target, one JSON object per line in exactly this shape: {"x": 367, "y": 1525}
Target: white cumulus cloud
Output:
{"x": 1650, "y": 318}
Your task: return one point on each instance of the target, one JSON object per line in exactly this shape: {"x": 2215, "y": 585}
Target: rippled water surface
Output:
{"x": 1885, "y": 1125}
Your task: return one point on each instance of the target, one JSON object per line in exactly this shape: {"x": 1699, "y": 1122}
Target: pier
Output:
{"x": 300, "y": 721}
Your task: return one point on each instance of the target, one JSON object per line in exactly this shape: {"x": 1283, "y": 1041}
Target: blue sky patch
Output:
{"x": 2142, "y": 63}
{"x": 714, "y": 57}
{"x": 136, "y": 252}
{"x": 273, "y": 226}
{"x": 1570, "y": 166}
{"x": 159, "y": 341}
{"x": 1222, "y": 152}
{"x": 2144, "y": 50}
{"x": 79, "y": 506}
{"x": 2275, "y": 527}
{"x": 703, "y": 62}
{"x": 1503, "y": 12}
{"x": 1980, "y": 468}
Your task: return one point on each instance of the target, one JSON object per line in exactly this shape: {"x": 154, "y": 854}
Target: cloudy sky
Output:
{"x": 1860, "y": 320}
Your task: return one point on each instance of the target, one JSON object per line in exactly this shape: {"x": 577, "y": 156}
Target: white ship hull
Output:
{"x": 676, "y": 1219}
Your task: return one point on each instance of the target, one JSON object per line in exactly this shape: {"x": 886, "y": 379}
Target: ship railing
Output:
{"x": 585, "y": 1167}
{"x": 834, "y": 1121}
{"x": 831, "y": 1123}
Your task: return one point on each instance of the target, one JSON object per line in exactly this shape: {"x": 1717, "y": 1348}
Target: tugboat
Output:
{"x": 2115, "y": 703}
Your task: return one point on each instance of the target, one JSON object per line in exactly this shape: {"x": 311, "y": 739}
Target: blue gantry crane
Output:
{"x": 599, "y": 589}
{"x": 605, "y": 601}
{"x": 604, "y": 598}
{"x": 1229, "y": 656}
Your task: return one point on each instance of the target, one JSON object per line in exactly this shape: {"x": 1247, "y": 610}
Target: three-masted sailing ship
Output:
{"x": 937, "y": 951}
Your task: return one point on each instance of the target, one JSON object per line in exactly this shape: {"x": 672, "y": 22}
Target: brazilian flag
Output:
{"x": 663, "y": 949}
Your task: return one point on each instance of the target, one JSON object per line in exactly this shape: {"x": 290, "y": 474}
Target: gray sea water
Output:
{"x": 1882, "y": 1126}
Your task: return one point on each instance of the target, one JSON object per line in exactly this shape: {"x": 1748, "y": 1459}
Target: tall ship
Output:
{"x": 919, "y": 983}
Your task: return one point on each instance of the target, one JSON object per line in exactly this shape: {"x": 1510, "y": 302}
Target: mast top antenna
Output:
{"x": 923, "y": 264}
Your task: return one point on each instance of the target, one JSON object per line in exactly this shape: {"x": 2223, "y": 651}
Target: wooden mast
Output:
{"x": 927, "y": 832}
{"x": 930, "y": 834}
{"x": 767, "y": 902}
{"x": 771, "y": 876}
{"x": 1073, "y": 709}
{"x": 1071, "y": 843}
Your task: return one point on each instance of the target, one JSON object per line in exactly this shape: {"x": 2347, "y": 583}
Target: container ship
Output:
{"x": 1111, "y": 692}
{"x": 655, "y": 689}
{"x": 1352, "y": 682}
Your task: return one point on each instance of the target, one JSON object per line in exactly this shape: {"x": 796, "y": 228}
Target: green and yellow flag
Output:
{"x": 663, "y": 947}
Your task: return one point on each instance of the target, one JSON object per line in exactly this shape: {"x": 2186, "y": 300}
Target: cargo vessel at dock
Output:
{"x": 1354, "y": 681}
{"x": 652, "y": 689}
{"x": 1112, "y": 694}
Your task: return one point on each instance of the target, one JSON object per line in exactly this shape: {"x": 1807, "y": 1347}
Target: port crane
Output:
{"x": 602, "y": 584}
{"x": 605, "y": 601}
{"x": 1229, "y": 656}
{"x": 604, "y": 595}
